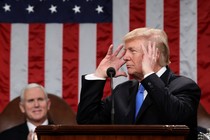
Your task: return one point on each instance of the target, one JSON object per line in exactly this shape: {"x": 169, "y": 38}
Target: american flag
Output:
{"x": 54, "y": 42}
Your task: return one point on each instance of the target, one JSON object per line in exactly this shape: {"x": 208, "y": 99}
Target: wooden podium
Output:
{"x": 112, "y": 132}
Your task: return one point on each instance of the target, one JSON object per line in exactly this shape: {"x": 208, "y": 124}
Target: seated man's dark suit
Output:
{"x": 171, "y": 99}
{"x": 19, "y": 132}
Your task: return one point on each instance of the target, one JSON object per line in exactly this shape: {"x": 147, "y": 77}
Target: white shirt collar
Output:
{"x": 161, "y": 71}
{"x": 32, "y": 127}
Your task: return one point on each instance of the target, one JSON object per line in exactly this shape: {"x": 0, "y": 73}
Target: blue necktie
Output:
{"x": 139, "y": 99}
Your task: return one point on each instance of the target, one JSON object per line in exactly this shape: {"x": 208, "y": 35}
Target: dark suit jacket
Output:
{"x": 19, "y": 132}
{"x": 171, "y": 99}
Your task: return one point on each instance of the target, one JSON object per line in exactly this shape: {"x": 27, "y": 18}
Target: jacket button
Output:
{"x": 150, "y": 85}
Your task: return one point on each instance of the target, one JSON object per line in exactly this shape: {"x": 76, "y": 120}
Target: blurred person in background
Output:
{"x": 34, "y": 103}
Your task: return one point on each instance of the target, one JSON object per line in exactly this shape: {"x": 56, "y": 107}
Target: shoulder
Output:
{"x": 15, "y": 130}
{"x": 183, "y": 82}
{"x": 179, "y": 79}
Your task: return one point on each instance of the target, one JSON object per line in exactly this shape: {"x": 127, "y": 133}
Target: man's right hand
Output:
{"x": 111, "y": 60}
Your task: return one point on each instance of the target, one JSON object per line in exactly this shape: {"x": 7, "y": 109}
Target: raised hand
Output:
{"x": 112, "y": 59}
{"x": 150, "y": 58}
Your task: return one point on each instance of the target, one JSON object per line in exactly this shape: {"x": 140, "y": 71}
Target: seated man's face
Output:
{"x": 35, "y": 105}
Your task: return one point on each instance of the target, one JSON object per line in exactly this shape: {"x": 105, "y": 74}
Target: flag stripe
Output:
{"x": 154, "y": 14}
{"x": 203, "y": 51}
{"x": 70, "y": 64}
{"x": 137, "y": 14}
{"x": 171, "y": 26}
{"x": 36, "y": 53}
{"x": 188, "y": 39}
{"x": 53, "y": 67}
{"x": 5, "y": 30}
{"x": 19, "y": 58}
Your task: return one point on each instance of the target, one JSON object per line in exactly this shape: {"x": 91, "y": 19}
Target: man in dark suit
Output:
{"x": 167, "y": 98}
{"x": 34, "y": 103}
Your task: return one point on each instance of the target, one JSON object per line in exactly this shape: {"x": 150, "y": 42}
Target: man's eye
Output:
{"x": 30, "y": 101}
{"x": 40, "y": 99}
{"x": 133, "y": 51}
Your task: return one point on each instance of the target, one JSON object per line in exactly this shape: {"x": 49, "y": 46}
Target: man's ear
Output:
{"x": 22, "y": 109}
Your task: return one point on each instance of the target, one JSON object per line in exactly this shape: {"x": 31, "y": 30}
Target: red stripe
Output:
{"x": 171, "y": 26}
{"x": 70, "y": 64}
{"x": 137, "y": 13}
{"x": 104, "y": 40}
{"x": 5, "y": 32}
{"x": 203, "y": 51}
{"x": 36, "y": 53}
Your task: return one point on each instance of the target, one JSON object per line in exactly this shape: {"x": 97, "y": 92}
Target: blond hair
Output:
{"x": 153, "y": 35}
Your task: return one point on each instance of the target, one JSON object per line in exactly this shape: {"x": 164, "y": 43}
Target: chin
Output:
{"x": 130, "y": 72}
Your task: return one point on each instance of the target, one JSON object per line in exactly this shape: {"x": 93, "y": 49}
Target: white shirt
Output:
{"x": 32, "y": 127}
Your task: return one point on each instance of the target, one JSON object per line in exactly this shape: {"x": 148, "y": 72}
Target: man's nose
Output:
{"x": 36, "y": 103}
{"x": 126, "y": 57}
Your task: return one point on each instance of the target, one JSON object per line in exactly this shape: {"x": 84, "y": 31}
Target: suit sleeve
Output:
{"x": 91, "y": 108}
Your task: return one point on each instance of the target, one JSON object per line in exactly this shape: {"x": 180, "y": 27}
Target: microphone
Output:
{"x": 111, "y": 73}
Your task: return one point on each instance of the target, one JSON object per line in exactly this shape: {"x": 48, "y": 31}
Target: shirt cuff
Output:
{"x": 146, "y": 75}
{"x": 93, "y": 77}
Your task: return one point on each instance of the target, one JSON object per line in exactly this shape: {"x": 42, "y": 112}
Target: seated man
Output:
{"x": 34, "y": 103}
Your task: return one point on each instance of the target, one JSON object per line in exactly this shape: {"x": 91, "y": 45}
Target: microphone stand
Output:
{"x": 111, "y": 73}
{"x": 112, "y": 94}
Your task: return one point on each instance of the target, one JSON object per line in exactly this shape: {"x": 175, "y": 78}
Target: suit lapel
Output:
{"x": 131, "y": 98}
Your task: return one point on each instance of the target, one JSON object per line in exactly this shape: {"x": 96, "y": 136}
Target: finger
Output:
{"x": 119, "y": 48}
{"x": 35, "y": 136}
{"x": 29, "y": 137}
{"x": 122, "y": 54}
{"x": 110, "y": 50}
{"x": 154, "y": 49}
{"x": 143, "y": 49}
{"x": 156, "y": 53}
{"x": 149, "y": 49}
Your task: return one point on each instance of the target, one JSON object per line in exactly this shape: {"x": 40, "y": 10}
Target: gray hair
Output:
{"x": 29, "y": 86}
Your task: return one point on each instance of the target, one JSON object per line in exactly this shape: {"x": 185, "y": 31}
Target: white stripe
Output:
{"x": 53, "y": 58}
{"x": 87, "y": 50}
{"x": 120, "y": 28}
{"x": 19, "y": 59}
{"x": 154, "y": 13}
{"x": 188, "y": 38}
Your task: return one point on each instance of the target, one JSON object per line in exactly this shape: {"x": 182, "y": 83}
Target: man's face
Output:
{"x": 133, "y": 58}
{"x": 35, "y": 105}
